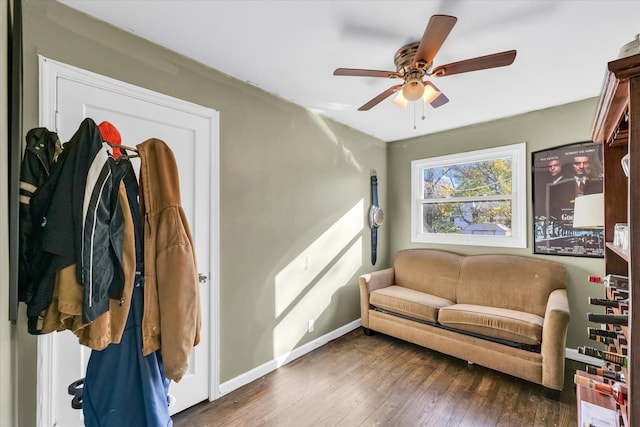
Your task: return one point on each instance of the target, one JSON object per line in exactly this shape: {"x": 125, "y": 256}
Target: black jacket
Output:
{"x": 59, "y": 207}
{"x": 40, "y": 155}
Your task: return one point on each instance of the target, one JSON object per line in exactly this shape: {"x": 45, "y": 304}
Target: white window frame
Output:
{"x": 518, "y": 238}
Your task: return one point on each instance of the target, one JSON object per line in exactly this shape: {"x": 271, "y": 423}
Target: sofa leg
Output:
{"x": 368, "y": 332}
{"x": 552, "y": 393}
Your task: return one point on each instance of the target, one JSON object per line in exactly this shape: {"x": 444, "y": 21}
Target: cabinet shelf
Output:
{"x": 618, "y": 251}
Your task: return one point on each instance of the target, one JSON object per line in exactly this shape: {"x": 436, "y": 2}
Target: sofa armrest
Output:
{"x": 554, "y": 339}
{"x": 368, "y": 283}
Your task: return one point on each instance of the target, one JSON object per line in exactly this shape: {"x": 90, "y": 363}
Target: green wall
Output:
{"x": 540, "y": 129}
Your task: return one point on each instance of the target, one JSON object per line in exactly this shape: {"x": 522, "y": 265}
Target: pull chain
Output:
{"x": 414, "y": 115}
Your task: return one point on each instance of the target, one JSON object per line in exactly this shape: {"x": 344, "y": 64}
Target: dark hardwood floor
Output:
{"x": 357, "y": 380}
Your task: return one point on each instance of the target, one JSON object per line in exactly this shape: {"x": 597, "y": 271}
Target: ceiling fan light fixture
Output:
{"x": 413, "y": 89}
{"x": 400, "y": 101}
{"x": 430, "y": 93}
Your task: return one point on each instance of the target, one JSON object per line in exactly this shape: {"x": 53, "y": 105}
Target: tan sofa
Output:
{"x": 506, "y": 312}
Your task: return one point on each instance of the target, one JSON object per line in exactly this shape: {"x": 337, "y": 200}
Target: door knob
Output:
{"x": 202, "y": 278}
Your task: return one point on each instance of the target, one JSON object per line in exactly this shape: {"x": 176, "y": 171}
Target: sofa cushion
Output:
{"x": 509, "y": 281}
{"x": 431, "y": 271}
{"x": 500, "y": 323}
{"x": 408, "y": 302}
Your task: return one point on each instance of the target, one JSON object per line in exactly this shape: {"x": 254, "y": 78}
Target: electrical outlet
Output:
{"x": 312, "y": 325}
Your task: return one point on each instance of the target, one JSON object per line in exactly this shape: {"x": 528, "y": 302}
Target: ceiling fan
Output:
{"x": 414, "y": 62}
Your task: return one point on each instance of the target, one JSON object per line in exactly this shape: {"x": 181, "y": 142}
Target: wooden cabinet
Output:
{"x": 617, "y": 127}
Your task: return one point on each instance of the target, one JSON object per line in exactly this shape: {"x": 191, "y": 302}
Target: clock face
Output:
{"x": 376, "y": 216}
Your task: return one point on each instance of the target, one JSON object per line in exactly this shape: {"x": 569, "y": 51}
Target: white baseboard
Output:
{"x": 572, "y": 353}
{"x": 274, "y": 364}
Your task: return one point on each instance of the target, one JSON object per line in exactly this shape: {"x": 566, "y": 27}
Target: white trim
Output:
{"x": 45, "y": 381}
{"x": 48, "y": 93}
{"x": 45, "y": 354}
{"x": 272, "y": 365}
{"x": 214, "y": 263}
{"x": 518, "y": 239}
{"x": 69, "y": 72}
{"x": 49, "y": 72}
{"x": 573, "y": 354}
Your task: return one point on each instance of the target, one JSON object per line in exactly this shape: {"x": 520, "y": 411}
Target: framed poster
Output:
{"x": 559, "y": 176}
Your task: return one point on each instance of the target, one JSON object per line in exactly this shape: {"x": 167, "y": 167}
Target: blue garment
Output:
{"x": 122, "y": 388}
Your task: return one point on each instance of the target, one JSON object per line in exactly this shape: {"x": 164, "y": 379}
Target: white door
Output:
{"x": 191, "y": 133}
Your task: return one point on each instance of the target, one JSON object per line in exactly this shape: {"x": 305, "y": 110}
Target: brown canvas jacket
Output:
{"x": 171, "y": 320}
{"x": 65, "y": 310}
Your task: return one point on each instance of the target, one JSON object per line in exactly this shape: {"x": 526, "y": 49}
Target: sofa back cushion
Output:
{"x": 428, "y": 270}
{"x": 509, "y": 281}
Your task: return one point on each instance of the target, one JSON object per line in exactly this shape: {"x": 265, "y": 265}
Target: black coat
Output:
{"x": 57, "y": 207}
{"x": 40, "y": 155}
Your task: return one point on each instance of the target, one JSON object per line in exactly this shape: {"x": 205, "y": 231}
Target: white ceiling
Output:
{"x": 290, "y": 48}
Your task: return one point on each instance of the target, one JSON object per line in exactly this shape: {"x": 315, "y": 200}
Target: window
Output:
{"x": 475, "y": 198}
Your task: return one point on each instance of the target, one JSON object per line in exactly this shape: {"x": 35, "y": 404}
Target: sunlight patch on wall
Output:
{"x": 292, "y": 280}
{"x": 293, "y": 326}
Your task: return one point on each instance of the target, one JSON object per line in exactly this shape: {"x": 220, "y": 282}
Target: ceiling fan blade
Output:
{"x": 439, "y": 101}
{"x": 435, "y": 34}
{"x": 474, "y": 64}
{"x": 365, "y": 73}
{"x": 375, "y": 101}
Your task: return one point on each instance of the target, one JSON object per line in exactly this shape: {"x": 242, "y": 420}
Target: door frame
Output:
{"x": 51, "y": 70}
